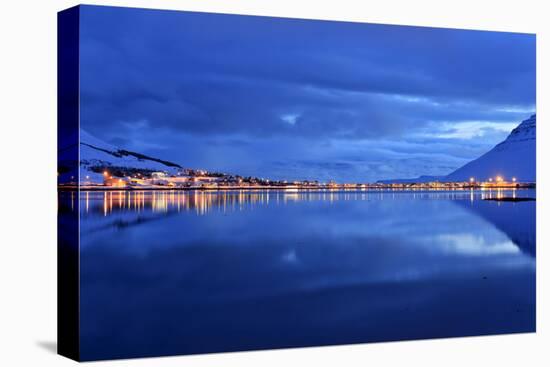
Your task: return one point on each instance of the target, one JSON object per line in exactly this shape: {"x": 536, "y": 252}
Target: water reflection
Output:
{"x": 516, "y": 220}
{"x": 204, "y": 202}
{"x": 193, "y": 272}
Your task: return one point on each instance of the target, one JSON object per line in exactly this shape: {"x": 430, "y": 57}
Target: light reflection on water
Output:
{"x": 171, "y": 272}
{"x": 203, "y": 202}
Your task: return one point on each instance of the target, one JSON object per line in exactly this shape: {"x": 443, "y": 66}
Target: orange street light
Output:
{"x": 105, "y": 173}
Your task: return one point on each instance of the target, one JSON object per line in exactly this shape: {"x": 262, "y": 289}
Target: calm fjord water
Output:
{"x": 191, "y": 272}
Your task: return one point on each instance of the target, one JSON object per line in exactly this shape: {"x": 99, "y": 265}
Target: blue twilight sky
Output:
{"x": 300, "y": 99}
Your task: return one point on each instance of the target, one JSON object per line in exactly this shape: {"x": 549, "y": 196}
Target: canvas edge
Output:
{"x": 68, "y": 287}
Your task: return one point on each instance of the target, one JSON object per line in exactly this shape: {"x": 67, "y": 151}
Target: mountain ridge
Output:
{"x": 512, "y": 158}
{"x": 515, "y": 157}
{"x": 95, "y": 156}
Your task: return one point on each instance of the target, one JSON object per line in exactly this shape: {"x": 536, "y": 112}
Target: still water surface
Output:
{"x": 192, "y": 272}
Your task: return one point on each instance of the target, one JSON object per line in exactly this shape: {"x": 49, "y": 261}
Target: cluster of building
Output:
{"x": 203, "y": 180}
{"x": 472, "y": 183}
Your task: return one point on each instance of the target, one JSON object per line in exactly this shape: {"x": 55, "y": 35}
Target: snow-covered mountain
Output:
{"x": 514, "y": 157}
{"x": 97, "y": 156}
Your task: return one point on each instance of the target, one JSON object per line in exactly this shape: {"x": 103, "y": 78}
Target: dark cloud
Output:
{"x": 191, "y": 78}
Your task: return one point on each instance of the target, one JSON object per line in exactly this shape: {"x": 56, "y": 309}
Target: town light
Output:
{"x": 513, "y": 179}
{"x": 472, "y": 179}
{"x": 499, "y": 179}
{"x": 490, "y": 179}
{"x": 105, "y": 173}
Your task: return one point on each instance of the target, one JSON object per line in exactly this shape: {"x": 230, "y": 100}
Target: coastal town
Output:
{"x": 187, "y": 179}
{"x": 102, "y": 166}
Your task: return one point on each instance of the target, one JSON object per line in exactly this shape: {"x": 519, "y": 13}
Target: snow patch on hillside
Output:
{"x": 96, "y": 154}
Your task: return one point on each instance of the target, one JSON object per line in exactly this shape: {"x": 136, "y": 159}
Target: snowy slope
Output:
{"x": 514, "y": 157}
{"x": 96, "y": 154}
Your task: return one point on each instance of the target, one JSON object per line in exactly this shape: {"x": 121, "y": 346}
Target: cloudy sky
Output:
{"x": 300, "y": 99}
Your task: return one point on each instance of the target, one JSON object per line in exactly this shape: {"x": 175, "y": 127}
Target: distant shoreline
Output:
{"x": 288, "y": 188}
